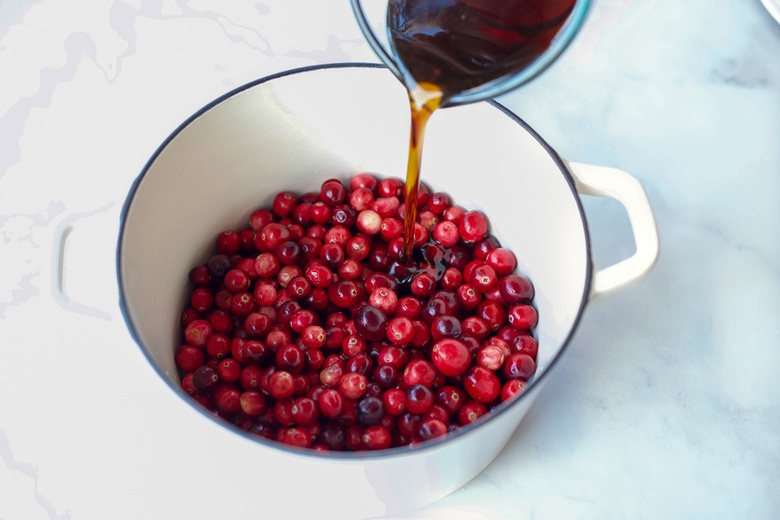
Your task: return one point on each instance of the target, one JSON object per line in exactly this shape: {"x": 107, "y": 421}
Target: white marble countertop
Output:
{"x": 667, "y": 404}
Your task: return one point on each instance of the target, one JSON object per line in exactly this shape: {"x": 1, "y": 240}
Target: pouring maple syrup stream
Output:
{"x": 447, "y": 47}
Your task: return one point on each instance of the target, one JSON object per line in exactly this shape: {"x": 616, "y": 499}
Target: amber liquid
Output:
{"x": 447, "y": 47}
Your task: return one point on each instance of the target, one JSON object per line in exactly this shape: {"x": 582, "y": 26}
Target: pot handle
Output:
{"x": 61, "y": 267}
{"x": 602, "y": 181}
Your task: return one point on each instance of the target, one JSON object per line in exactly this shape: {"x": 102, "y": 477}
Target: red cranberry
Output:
{"x": 470, "y": 412}
{"x": 431, "y": 428}
{"x": 253, "y": 403}
{"x": 482, "y": 384}
{"x": 516, "y": 289}
{"x": 450, "y": 398}
{"x": 370, "y": 411}
{"x": 473, "y": 226}
{"x": 370, "y": 323}
{"x": 198, "y": 332}
{"x": 512, "y": 388}
{"x": 419, "y": 399}
{"x": 332, "y": 192}
{"x": 522, "y": 317}
{"x": 450, "y": 356}
{"x": 519, "y": 366}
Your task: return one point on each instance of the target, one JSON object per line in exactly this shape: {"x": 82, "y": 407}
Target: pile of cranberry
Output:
{"x": 307, "y": 328}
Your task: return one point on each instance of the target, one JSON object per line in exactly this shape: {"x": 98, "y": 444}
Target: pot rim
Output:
{"x": 360, "y": 456}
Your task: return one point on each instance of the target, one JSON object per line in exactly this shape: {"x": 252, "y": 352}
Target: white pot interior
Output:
{"x": 291, "y": 133}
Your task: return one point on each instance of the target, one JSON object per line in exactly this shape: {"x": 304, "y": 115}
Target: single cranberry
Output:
{"x": 422, "y": 285}
{"x": 242, "y": 304}
{"x": 205, "y": 378}
{"x": 267, "y": 265}
{"x": 379, "y": 259}
{"x": 260, "y": 218}
{"x": 343, "y": 216}
{"x": 450, "y": 356}
{"x": 384, "y": 299}
{"x": 332, "y": 192}
{"x": 198, "y": 332}
{"x": 189, "y": 315}
{"x": 431, "y": 428}
{"x": 370, "y": 323}
{"x": 358, "y": 247}
{"x": 491, "y": 357}
{"x": 228, "y": 401}
{"x": 376, "y": 281}
{"x": 394, "y": 400}
{"x": 516, "y": 288}
{"x": 377, "y": 437}
{"x": 361, "y": 198}
{"x": 354, "y": 438}
{"x": 390, "y": 187}
{"x": 331, "y": 374}
{"x": 438, "y": 202}
{"x": 512, "y": 388}
{"x": 422, "y": 334}
{"x": 400, "y": 330}
{"x": 310, "y": 248}
{"x": 295, "y": 436}
{"x": 419, "y": 371}
{"x": 202, "y": 299}
{"x": 350, "y": 269}
{"x": 522, "y": 316}
{"x": 229, "y": 370}
{"x": 483, "y": 278}
{"x": 284, "y": 203}
{"x": 446, "y": 233}
{"x": 394, "y": 356}
{"x": 526, "y": 344}
{"x": 281, "y": 384}
{"x": 257, "y": 325}
{"x": 344, "y": 293}
{"x": 445, "y": 327}
{"x": 408, "y": 424}
{"x": 363, "y": 180}
{"x": 303, "y": 318}
{"x": 473, "y": 226}
{"x": 470, "y": 412}
{"x": 301, "y": 214}
{"x": 492, "y": 313}
{"x": 409, "y": 306}
{"x": 218, "y": 345}
{"x": 250, "y": 377}
{"x": 319, "y": 275}
{"x": 290, "y": 358}
{"x": 482, "y": 384}
{"x": 519, "y": 366}
{"x": 483, "y": 247}
{"x": 304, "y": 411}
{"x": 200, "y": 276}
{"x": 320, "y": 214}
{"x": 219, "y": 264}
{"x": 450, "y": 397}
{"x": 253, "y": 402}
{"x": 332, "y": 435}
{"x": 331, "y": 403}
{"x": 353, "y": 385}
{"x": 370, "y": 411}
{"x": 419, "y": 399}
{"x": 188, "y": 358}
{"x": 362, "y": 364}
{"x": 353, "y": 345}
{"x": 385, "y": 376}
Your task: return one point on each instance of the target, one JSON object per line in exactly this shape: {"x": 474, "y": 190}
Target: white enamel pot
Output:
{"x": 292, "y": 131}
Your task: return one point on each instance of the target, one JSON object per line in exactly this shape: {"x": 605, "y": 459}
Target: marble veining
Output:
{"x": 666, "y": 404}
